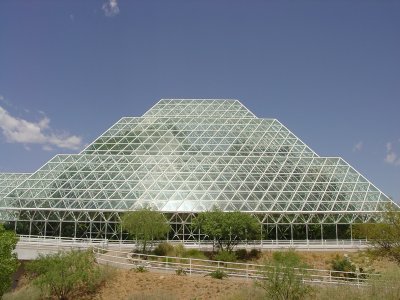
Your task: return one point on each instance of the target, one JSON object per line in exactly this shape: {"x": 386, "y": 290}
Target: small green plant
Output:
{"x": 225, "y": 256}
{"x": 141, "y": 269}
{"x": 343, "y": 266}
{"x": 217, "y": 274}
{"x": 180, "y": 272}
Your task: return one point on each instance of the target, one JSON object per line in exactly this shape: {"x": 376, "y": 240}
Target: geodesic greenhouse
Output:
{"x": 183, "y": 157}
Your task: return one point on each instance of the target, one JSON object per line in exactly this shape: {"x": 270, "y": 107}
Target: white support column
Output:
{"x": 307, "y": 232}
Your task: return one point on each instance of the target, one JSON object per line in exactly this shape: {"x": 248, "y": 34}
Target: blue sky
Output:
{"x": 328, "y": 70}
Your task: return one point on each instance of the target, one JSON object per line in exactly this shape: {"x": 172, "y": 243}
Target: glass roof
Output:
{"x": 8, "y": 181}
{"x": 191, "y": 156}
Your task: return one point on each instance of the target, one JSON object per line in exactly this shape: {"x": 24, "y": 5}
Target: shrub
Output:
{"x": 225, "y": 256}
{"x": 290, "y": 258}
{"x": 179, "y": 250}
{"x": 65, "y": 273}
{"x": 217, "y": 274}
{"x": 164, "y": 249}
{"x": 342, "y": 266}
{"x": 241, "y": 254}
{"x": 195, "y": 253}
{"x": 254, "y": 254}
{"x": 180, "y": 272}
{"x": 8, "y": 259}
{"x": 284, "y": 277}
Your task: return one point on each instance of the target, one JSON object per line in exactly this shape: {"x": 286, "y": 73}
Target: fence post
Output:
{"x": 247, "y": 271}
{"x": 190, "y": 266}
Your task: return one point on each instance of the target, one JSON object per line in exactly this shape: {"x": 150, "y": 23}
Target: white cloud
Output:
{"x": 358, "y": 147}
{"x": 392, "y": 157}
{"x": 110, "y": 8}
{"x": 18, "y": 130}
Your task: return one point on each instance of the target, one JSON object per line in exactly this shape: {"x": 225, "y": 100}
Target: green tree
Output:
{"x": 384, "y": 237}
{"x": 63, "y": 274}
{"x": 8, "y": 259}
{"x": 227, "y": 228}
{"x": 145, "y": 225}
{"x": 283, "y": 278}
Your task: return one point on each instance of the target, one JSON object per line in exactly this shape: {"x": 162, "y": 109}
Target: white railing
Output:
{"x": 263, "y": 244}
{"x": 112, "y": 252}
{"x": 129, "y": 260}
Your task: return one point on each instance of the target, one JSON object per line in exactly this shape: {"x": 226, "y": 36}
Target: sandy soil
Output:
{"x": 151, "y": 285}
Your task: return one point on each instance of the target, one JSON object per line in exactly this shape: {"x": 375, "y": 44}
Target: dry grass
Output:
{"x": 24, "y": 293}
{"x": 130, "y": 285}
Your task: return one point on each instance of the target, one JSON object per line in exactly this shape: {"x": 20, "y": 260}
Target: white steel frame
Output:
{"x": 187, "y": 156}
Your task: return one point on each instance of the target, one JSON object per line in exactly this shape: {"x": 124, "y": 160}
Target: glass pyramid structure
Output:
{"x": 187, "y": 156}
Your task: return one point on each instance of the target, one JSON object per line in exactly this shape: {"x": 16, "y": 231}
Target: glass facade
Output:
{"x": 187, "y": 156}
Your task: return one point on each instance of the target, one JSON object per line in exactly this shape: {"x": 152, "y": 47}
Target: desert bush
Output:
{"x": 290, "y": 258}
{"x": 217, "y": 274}
{"x": 104, "y": 273}
{"x": 195, "y": 253}
{"x": 164, "y": 249}
{"x": 64, "y": 274}
{"x": 225, "y": 256}
{"x": 343, "y": 266}
{"x": 179, "y": 250}
{"x": 284, "y": 277}
{"x": 254, "y": 254}
{"x": 384, "y": 237}
{"x": 241, "y": 254}
{"x": 8, "y": 258}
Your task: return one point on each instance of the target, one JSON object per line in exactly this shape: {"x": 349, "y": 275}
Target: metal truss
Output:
{"x": 183, "y": 157}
